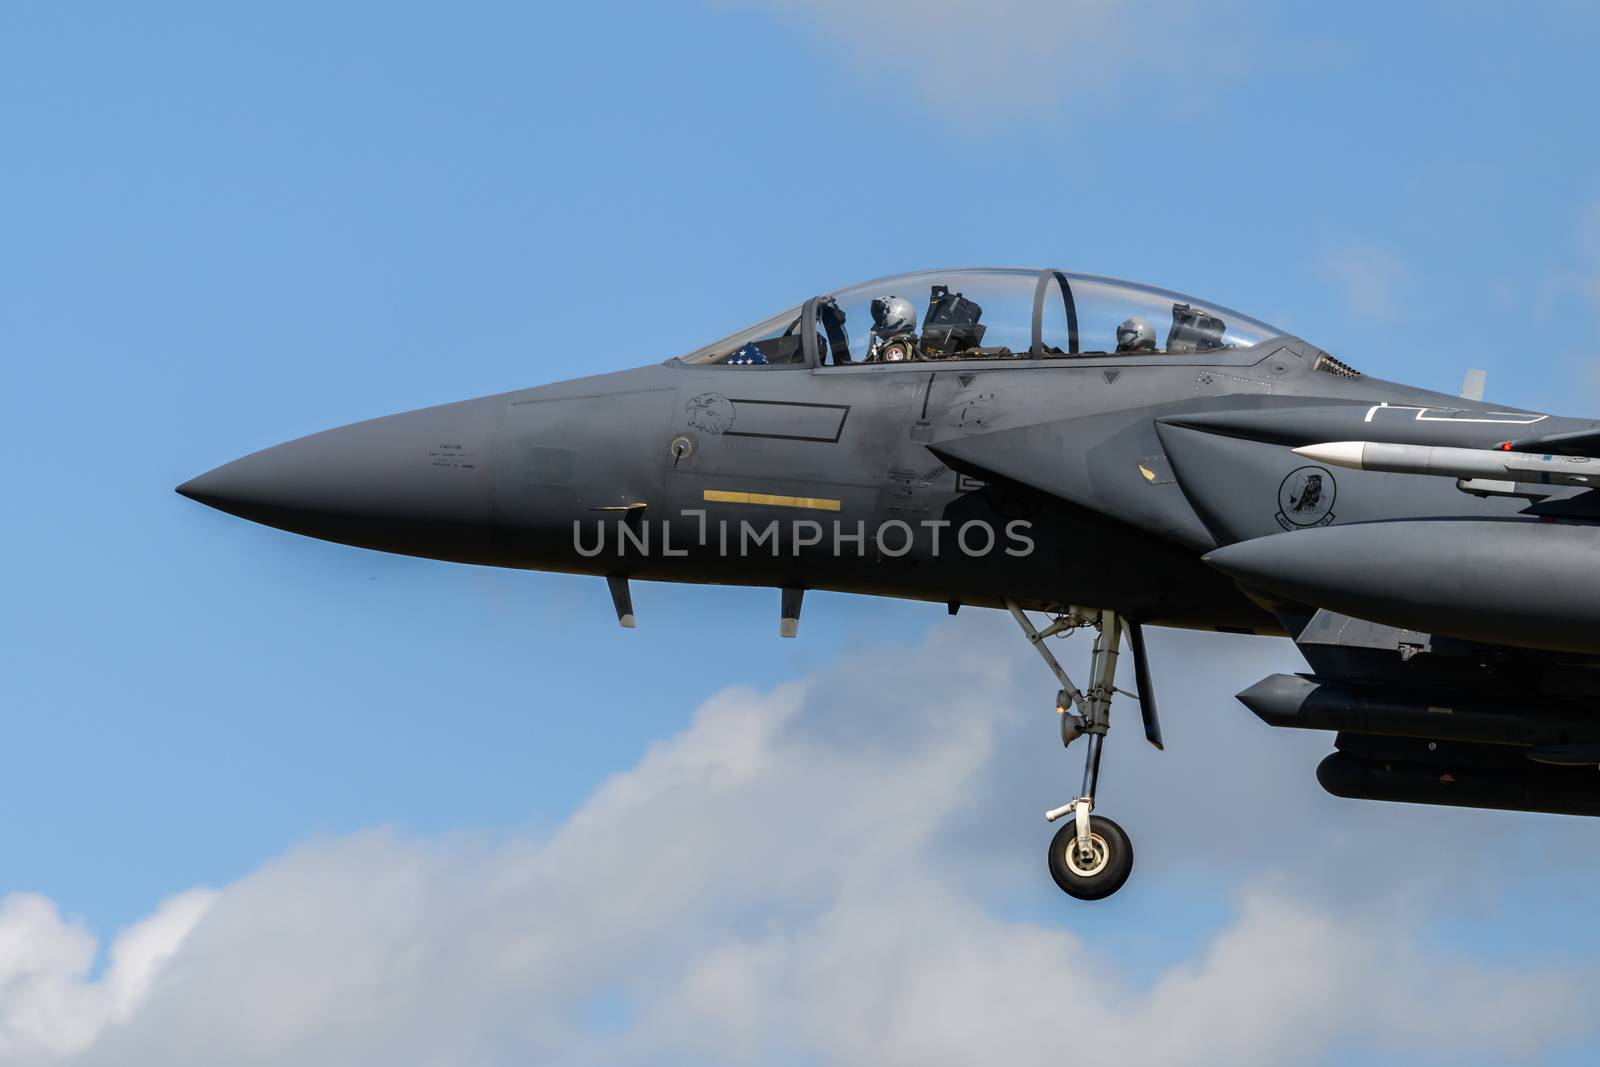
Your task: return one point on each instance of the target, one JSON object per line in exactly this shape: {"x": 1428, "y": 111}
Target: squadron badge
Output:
{"x": 710, "y": 413}
{"x": 1306, "y": 498}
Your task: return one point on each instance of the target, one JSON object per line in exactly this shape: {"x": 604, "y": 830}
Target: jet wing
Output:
{"x": 1452, "y": 631}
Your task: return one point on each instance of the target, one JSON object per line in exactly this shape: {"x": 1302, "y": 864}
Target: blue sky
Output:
{"x": 224, "y": 228}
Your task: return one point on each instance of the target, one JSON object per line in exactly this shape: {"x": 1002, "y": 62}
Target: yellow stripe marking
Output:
{"x": 816, "y": 503}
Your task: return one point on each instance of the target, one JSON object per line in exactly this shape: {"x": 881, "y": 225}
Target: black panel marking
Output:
{"x": 778, "y": 407}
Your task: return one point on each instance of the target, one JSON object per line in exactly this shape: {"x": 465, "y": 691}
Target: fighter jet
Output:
{"x": 1103, "y": 454}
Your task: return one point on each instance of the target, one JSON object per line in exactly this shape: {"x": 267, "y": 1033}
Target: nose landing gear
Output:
{"x": 1091, "y": 856}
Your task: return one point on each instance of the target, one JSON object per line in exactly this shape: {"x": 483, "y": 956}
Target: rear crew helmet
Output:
{"x": 893, "y": 315}
{"x": 1136, "y": 335}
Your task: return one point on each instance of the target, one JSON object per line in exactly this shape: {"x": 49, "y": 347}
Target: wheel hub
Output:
{"x": 1087, "y": 866}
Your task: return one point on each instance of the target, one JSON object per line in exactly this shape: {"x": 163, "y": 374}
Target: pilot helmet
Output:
{"x": 1136, "y": 335}
{"x": 893, "y": 315}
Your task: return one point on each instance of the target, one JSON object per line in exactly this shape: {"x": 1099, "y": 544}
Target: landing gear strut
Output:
{"x": 1091, "y": 856}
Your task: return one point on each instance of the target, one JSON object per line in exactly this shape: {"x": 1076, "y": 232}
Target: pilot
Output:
{"x": 894, "y": 330}
{"x": 1136, "y": 335}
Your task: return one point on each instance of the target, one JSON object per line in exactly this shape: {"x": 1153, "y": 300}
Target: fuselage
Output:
{"x": 1033, "y": 473}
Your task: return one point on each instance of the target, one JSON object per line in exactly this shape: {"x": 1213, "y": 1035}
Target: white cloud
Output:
{"x": 1368, "y": 276}
{"x": 969, "y": 55}
{"x": 49, "y": 1006}
{"x": 847, "y": 870}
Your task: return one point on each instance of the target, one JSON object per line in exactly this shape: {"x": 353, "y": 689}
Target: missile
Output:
{"x": 1533, "y": 787}
{"x": 1298, "y": 702}
{"x": 1463, "y": 463}
{"x": 1506, "y": 582}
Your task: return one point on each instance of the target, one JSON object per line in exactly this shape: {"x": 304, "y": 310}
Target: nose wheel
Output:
{"x": 1095, "y": 872}
{"x": 1091, "y": 856}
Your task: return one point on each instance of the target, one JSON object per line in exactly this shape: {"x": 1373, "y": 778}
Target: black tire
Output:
{"x": 1111, "y": 867}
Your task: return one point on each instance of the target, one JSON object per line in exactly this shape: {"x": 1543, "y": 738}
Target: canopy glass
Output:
{"x": 987, "y": 313}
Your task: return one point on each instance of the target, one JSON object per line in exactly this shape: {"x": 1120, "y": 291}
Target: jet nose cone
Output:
{"x": 192, "y": 489}
{"x": 417, "y": 483}
{"x": 206, "y": 488}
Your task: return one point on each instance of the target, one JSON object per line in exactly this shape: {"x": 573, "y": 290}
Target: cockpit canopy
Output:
{"x": 987, "y": 313}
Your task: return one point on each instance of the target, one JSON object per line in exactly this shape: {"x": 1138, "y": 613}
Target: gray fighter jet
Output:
{"x": 1108, "y": 454}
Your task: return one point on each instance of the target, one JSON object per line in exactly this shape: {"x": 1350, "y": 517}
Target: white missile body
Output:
{"x": 1464, "y": 463}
